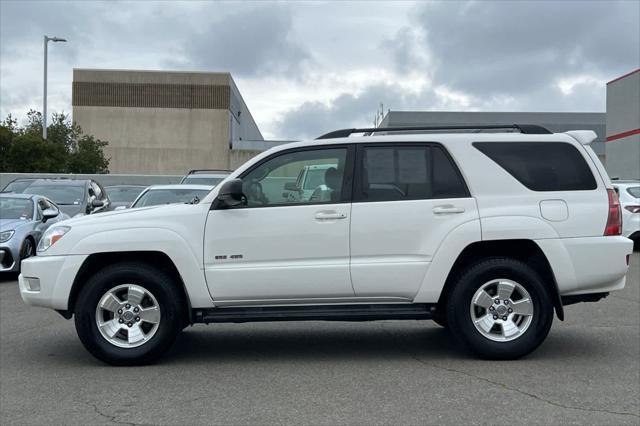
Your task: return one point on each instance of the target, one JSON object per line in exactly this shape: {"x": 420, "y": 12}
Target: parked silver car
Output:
{"x": 23, "y": 220}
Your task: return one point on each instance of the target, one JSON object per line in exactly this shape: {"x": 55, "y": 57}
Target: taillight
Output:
{"x": 633, "y": 209}
{"x": 614, "y": 221}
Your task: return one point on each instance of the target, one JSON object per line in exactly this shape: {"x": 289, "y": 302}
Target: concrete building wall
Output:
{"x": 623, "y": 126}
{"x": 554, "y": 121}
{"x": 160, "y": 122}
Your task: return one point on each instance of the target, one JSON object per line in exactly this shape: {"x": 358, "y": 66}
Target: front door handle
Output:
{"x": 330, "y": 216}
{"x": 448, "y": 209}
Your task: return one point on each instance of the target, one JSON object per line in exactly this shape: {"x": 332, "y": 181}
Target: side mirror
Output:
{"x": 97, "y": 204}
{"x": 49, "y": 214}
{"x": 120, "y": 208}
{"x": 230, "y": 194}
{"x": 291, "y": 186}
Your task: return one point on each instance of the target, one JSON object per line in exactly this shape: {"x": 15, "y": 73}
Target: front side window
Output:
{"x": 408, "y": 172}
{"x": 299, "y": 177}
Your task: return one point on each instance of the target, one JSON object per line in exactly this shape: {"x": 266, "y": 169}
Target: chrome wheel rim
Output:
{"x": 501, "y": 310}
{"x": 128, "y": 316}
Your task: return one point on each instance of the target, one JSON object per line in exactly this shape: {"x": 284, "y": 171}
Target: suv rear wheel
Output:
{"x": 500, "y": 309}
{"x": 129, "y": 314}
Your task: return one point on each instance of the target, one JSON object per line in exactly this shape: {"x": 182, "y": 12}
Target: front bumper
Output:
{"x": 46, "y": 281}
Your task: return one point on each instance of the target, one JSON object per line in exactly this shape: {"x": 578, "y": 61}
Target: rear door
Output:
{"x": 407, "y": 198}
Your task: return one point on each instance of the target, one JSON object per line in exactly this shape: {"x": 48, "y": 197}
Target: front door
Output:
{"x": 285, "y": 244}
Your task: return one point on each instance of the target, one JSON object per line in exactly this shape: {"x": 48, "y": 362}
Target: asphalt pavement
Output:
{"x": 387, "y": 372}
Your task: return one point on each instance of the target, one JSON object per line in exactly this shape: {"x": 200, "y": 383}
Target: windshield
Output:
{"x": 16, "y": 208}
{"x": 17, "y": 186}
{"x": 123, "y": 194}
{"x": 197, "y": 180}
{"x": 634, "y": 191}
{"x": 155, "y": 197}
{"x": 59, "y": 194}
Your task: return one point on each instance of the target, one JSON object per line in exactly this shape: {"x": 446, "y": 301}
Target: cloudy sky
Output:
{"x": 308, "y": 67}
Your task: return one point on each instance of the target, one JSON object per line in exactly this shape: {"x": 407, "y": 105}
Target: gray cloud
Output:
{"x": 253, "y": 41}
{"x": 513, "y": 47}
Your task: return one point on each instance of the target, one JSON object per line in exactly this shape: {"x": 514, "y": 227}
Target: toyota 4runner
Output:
{"x": 486, "y": 230}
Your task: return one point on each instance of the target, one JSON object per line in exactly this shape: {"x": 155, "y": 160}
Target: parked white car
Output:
{"x": 487, "y": 233}
{"x": 629, "y": 193}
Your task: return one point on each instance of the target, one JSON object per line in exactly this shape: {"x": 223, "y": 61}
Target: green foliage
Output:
{"x": 66, "y": 150}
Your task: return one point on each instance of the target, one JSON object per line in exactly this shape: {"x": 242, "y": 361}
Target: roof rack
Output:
{"x": 196, "y": 171}
{"x": 530, "y": 129}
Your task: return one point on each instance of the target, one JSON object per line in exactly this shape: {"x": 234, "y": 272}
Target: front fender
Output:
{"x": 185, "y": 256}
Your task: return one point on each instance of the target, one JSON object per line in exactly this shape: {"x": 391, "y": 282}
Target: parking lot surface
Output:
{"x": 388, "y": 372}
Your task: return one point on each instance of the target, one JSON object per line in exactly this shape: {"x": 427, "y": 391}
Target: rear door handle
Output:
{"x": 330, "y": 216}
{"x": 448, "y": 209}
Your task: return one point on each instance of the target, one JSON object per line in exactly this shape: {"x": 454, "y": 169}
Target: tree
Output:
{"x": 66, "y": 150}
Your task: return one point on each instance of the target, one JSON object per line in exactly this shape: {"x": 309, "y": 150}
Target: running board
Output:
{"x": 360, "y": 312}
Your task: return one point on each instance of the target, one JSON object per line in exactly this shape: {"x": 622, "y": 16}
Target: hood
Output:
{"x": 6, "y": 224}
{"x": 129, "y": 215}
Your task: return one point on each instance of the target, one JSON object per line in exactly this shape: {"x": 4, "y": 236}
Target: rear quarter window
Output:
{"x": 542, "y": 166}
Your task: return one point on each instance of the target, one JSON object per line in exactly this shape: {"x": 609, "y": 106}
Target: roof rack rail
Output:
{"x": 530, "y": 129}
{"x": 196, "y": 171}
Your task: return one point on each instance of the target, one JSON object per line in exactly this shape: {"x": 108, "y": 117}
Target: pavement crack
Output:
{"x": 502, "y": 385}
{"x": 112, "y": 419}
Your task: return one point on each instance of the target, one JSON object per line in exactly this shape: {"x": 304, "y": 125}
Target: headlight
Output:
{"x": 51, "y": 236}
{"x": 6, "y": 235}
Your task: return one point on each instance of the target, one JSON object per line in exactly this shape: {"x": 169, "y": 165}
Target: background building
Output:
{"x": 554, "y": 121}
{"x": 623, "y": 126}
{"x": 159, "y": 122}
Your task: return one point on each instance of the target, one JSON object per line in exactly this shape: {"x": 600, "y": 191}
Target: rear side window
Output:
{"x": 408, "y": 172}
{"x": 542, "y": 166}
{"x": 634, "y": 191}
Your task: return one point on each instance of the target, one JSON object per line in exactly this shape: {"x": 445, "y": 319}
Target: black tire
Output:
{"x": 459, "y": 318}
{"x": 441, "y": 320}
{"x": 28, "y": 249}
{"x": 167, "y": 293}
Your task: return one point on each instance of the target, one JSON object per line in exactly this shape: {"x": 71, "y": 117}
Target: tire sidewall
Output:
{"x": 151, "y": 279}
{"x": 461, "y": 323}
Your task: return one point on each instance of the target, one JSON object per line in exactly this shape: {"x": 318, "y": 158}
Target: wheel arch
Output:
{"x": 522, "y": 249}
{"x": 97, "y": 261}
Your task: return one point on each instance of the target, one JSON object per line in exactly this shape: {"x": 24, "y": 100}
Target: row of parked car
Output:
{"x": 28, "y": 206}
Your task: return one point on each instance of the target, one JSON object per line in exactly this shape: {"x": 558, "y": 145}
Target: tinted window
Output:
{"x": 541, "y": 166}
{"x": 408, "y": 173}
{"x": 17, "y": 186}
{"x": 62, "y": 194}
{"x": 123, "y": 194}
{"x": 301, "y": 177}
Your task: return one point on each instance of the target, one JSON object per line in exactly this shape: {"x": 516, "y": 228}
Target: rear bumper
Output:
{"x": 46, "y": 281}
{"x": 588, "y": 265}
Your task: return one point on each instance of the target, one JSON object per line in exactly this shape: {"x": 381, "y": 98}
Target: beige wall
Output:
{"x": 238, "y": 158}
{"x": 159, "y": 140}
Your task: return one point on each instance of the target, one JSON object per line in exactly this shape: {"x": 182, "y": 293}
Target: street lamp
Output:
{"x": 44, "y": 98}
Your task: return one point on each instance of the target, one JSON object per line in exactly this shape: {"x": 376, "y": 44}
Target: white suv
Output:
{"x": 485, "y": 230}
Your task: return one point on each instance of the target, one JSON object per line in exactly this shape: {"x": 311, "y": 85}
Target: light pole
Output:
{"x": 44, "y": 98}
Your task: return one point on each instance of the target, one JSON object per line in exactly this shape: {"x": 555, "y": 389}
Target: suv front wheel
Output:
{"x": 129, "y": 314}
{"x": 500, "y": 309}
